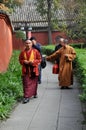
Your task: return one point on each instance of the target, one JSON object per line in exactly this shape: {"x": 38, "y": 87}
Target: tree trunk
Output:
{"x": 49, "y": 35}
{"x": 49, "y": 22}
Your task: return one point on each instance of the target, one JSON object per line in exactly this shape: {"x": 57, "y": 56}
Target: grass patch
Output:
{"x": 10, "y": 86}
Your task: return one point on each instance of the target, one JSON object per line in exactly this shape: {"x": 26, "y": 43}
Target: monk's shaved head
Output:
{"x": 62, "y": 39}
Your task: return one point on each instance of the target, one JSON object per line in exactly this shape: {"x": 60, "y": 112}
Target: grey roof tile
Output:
{"x": 27, "y": 14}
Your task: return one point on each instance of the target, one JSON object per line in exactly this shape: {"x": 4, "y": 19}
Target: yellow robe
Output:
{"x": 65, "y": 67}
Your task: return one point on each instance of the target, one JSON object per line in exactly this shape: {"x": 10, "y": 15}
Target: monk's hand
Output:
{"x": 66, "y": 55}
{"x": 47, "y": 58}
{"x": 26, "y": 62}
{"x": 55, "y": 62}
{"x": 31, "y": 63}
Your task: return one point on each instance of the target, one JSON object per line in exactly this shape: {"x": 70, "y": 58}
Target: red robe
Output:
{"x": 25, "y": 55}
{"x": 30, "y": 72}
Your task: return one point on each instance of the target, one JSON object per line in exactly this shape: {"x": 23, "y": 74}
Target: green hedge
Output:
{"x": 80, "y": 67}
{"x": 10, "y": 86}
{"x": 78, "y": 45}
{"x": 48, "y": 49}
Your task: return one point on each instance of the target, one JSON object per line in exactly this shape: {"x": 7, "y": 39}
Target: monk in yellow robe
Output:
{"x": 67, "y": 54}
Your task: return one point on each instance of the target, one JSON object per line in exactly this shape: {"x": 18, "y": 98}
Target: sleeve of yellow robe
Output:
{"x": 72, "y": 55}
{"x": 53, "y": 56}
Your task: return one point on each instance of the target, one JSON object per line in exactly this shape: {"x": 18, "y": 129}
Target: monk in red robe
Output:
{"x": 29, "y": 58}
{"x": 67, "y": 55}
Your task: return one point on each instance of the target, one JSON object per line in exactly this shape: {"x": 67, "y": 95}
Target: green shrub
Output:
{"x": 48, "y": 49}
{"x": 78, "y": 45}
{"x": 10, "y": 86}
{"x": 80, "y": 67}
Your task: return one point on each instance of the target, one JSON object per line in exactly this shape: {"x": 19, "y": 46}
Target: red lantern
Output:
{"x": 55, "y": 69}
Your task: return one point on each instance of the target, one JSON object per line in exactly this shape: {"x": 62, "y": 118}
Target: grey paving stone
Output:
{"x": 69, "y": 124}
{"x": 84, "y": 127}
